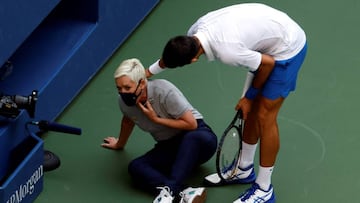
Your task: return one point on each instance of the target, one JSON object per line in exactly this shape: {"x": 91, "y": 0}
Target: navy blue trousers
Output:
{"x": 170, "y": 162}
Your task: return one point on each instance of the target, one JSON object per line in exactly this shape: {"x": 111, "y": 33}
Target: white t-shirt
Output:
{"x": 237, "y": 35}
{"x": 167, "y": 101}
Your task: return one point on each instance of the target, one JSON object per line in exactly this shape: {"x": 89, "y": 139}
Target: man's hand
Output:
{"x": 245, "y": 105}
{"x": 155, "y": 68}
{"x": 148, "y": 74}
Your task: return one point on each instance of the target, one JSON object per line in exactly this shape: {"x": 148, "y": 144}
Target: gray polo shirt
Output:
{"x": 167, "y": 101}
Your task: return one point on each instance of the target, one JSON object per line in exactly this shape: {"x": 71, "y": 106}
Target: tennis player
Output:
{"x": 272, "y": 47}
{"x": 184, "y": 140}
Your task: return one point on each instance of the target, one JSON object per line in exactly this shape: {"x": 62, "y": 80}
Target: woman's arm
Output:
{"x": 127, "y": 125}
{"x": 186, "y": 121}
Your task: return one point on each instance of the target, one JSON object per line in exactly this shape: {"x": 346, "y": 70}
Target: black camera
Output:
{"x": 10, "y": 105}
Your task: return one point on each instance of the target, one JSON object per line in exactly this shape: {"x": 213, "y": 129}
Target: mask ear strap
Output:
{"x": 137, "y": 88}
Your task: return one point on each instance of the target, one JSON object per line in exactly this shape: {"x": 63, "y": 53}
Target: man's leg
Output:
{"x": 251, "y": 136}
{"x": 268, "y": 129}
{"x": 269, "y": 139}
{"x": 262, "y": 125}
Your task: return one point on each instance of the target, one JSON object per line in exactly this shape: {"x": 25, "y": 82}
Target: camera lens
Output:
{"x": 21, "y": 100}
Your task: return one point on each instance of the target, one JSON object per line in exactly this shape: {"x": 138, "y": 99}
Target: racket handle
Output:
{"x": 239, "y": 114}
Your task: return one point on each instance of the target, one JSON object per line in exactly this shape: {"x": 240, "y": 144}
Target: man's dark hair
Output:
{"x": 179, "y": 51}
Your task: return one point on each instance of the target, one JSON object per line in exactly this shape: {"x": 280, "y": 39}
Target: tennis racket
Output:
{"x": 229, "y": 149}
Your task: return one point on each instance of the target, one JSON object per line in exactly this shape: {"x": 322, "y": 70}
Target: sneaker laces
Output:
{"x": 164, "y": 190}
{"x": 183, "y": 197}
{"x": 249, "y": 192}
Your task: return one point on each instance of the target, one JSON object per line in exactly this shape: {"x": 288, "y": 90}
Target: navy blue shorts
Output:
{"x": 283, "y": 78}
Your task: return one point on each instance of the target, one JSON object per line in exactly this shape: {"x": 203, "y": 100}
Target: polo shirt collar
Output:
{"x": 205, "y": 45}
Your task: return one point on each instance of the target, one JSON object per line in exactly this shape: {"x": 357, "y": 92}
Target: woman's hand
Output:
{"x": 148, "y": 111}
{"x": 111, "y": 143}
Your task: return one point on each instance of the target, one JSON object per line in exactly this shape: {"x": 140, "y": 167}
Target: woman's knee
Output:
{"x": 202, "y": 138}
{"x": 135, "y": 166}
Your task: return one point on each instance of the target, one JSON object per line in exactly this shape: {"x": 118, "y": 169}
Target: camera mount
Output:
{"x": 10, "y": 105}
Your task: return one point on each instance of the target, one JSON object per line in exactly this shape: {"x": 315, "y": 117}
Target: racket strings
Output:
{"x": 229, "y": 153}
{"x": 229, "y": 150}
{"x": 232, "y": 170}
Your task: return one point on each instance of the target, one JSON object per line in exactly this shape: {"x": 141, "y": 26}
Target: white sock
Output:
{"x": 247, "y": 155}
{"x": 264, "y": 177}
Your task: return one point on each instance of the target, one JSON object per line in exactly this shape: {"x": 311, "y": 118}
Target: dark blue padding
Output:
{"x": 68, "y": 43}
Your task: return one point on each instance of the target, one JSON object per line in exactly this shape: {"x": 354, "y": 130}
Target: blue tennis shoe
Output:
{"x": 256, "y": 195}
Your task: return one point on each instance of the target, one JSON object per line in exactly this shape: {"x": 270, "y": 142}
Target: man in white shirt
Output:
{"x": 272, "y": 47}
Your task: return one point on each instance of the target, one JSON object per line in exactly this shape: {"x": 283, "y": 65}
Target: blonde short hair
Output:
{"x": 131, "y": 68}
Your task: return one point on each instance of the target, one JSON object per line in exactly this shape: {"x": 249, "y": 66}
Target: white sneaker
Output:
{"x": 165, "y": 195}
{"x": 193, "y": 195}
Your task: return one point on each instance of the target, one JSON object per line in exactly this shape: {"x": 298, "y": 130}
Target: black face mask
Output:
{"x": 130, "y": 98}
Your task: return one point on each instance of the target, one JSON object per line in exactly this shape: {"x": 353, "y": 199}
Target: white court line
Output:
{"x": 313, "y": 133}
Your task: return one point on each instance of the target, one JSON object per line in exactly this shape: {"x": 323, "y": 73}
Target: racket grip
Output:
{"x": 240, "y": 114}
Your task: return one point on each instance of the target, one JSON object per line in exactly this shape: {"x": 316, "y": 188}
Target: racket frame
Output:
{"x": 238, "y": 118}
